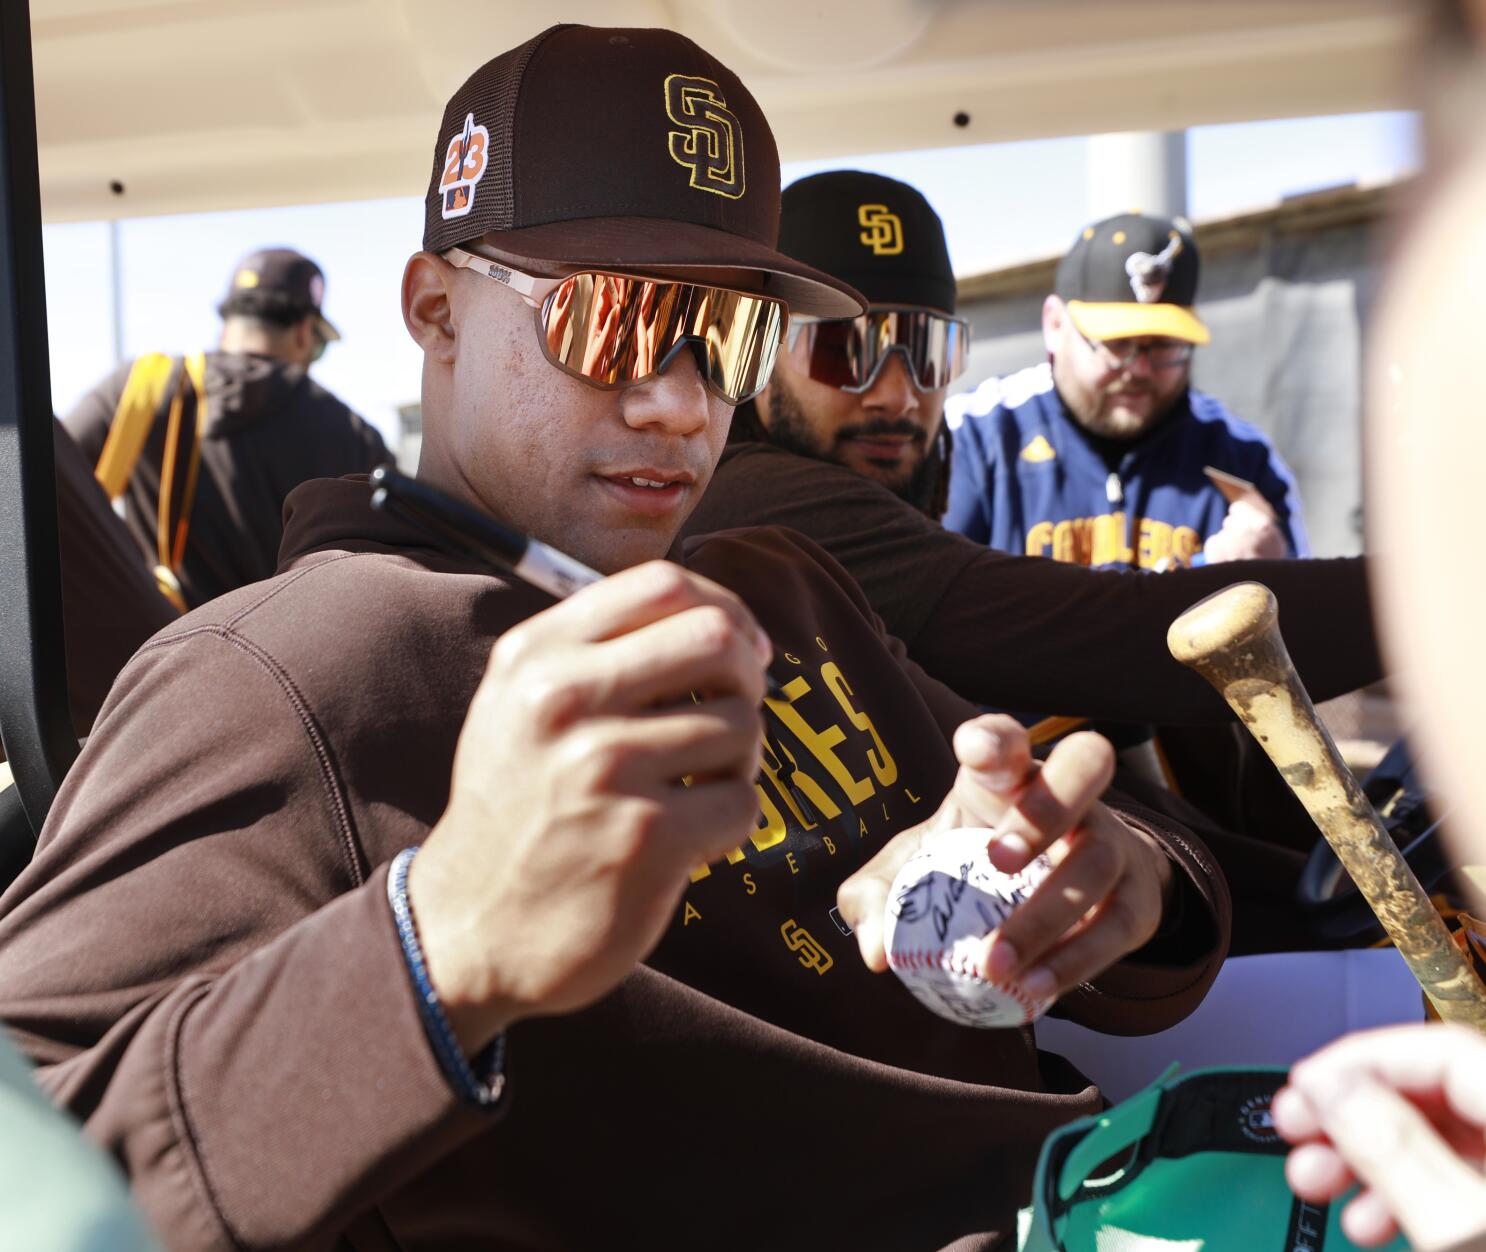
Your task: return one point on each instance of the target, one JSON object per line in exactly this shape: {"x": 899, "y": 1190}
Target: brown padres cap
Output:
{"x": 278, "y": 278}
{"x": 630, "y": 149}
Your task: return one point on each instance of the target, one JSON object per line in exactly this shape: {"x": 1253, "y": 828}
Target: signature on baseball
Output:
{"x": 937, "y": 896}
{"x": 945, "y": 901}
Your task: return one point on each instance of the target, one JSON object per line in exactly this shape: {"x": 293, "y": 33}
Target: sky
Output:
{"x": 1000, "y": 203}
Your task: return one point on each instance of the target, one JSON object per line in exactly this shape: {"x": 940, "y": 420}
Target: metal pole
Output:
{"x": 1138, "y": 172}
{"x": 116, "y": 287}
{"x": 35, "y": 722}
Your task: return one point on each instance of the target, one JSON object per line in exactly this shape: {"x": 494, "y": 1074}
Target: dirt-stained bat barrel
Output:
{"x": 1232, "y": 639}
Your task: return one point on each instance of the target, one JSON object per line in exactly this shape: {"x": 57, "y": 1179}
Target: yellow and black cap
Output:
{"x": 876, "y": 233}
{"x": 1133, "y": 275}
{"x": 628, "y": 149}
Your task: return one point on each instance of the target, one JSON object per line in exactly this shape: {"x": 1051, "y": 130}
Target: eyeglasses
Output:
{"x": 321, "y": 343}
{"x": 616, "y": 330}
{"x": 1120, "y": 354}
{"x": 850, "y": 353}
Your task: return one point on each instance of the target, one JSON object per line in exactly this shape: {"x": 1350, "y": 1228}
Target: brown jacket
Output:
{"x": 1019, "y": 632}
{"x": 110, "y": 604}
{"x": 203, "y": 961}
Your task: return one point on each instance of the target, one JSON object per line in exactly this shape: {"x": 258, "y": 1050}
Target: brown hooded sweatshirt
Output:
{"x": 996, "y": 627}
{"x": 203, "y": 961}
{"x": 110, "y": 604}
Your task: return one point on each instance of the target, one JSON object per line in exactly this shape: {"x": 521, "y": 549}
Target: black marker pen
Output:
{"x": 482, "y": 536}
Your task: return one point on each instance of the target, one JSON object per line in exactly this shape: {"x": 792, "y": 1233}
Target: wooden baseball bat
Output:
{"x": 1232, "y": 639}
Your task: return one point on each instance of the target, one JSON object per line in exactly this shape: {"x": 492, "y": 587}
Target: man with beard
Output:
{"x": 884, "y": 418}
{"x": 847, "y": 444}
{"x": 1104, "y": 455}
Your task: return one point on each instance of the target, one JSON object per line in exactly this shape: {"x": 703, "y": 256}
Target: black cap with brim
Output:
{"x": 1152, "y": 259}
{"x": 876, "y": 233}
{"x": 283, "y": 281}
{"x": 625, "y": 148}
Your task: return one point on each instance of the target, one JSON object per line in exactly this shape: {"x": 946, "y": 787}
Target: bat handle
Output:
{"x": 1232, "y": 639}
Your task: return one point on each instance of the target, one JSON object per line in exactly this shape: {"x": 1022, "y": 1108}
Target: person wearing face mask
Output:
{"x": 1105, "y": 456}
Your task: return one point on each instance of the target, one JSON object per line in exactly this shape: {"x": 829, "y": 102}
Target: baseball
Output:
{"x": 944, "y": 902}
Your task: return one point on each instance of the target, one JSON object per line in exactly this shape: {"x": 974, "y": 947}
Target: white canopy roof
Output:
{"x": 190, "y": 105}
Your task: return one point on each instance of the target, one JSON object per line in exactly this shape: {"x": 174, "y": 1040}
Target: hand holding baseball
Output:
{"x": 1104, "y": 896}
{"x": 1402, "y": 1111}
{"x": 569, "y": 835}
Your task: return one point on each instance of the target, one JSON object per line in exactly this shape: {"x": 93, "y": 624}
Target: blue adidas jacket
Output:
{"x": 1024, "y": 480}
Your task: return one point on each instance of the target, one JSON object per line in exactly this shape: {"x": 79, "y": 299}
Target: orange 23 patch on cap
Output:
{"x": 464, "y": 166}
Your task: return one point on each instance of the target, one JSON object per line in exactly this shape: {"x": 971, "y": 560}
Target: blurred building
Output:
{"x": 1288, "y": 293}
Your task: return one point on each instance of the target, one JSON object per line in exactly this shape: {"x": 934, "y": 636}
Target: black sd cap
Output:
{"x": 874, "y": 232}
{"x": 1133, "y": 275}
{"x": 631, "y": 149}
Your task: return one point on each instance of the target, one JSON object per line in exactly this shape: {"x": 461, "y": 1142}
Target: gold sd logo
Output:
{"x": 884, "y": 229}
{"x": 800, "y": 941}
{"x": 710, "y": 143}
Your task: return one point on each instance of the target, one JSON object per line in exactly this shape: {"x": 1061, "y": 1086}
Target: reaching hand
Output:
{"x": 1104, "y": 898}
{"x": 1403, "y": 1112}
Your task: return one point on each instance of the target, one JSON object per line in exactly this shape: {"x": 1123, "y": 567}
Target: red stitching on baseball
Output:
{"x": 944, "y": 959}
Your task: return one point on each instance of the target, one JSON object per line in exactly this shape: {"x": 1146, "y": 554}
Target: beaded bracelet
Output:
{"x": 461, "y": 1074}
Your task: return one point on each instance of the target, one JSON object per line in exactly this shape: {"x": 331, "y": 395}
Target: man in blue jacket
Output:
{"x": 1105, "y": 456}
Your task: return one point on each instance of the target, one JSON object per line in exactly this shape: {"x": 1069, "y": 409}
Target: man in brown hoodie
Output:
{"x": 624, "y": 995}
